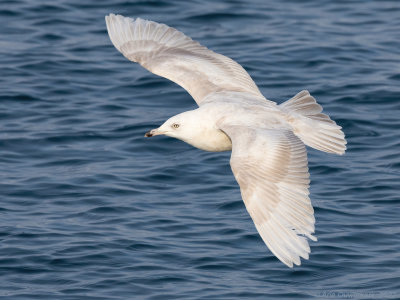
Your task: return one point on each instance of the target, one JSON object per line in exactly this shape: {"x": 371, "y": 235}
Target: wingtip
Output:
{"x": 109, "y": 16}
{"x": 114, "y": 17}
{"x": 343, "y": 151}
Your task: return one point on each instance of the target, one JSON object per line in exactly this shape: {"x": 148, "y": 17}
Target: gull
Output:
{"x": 267, "y": 140}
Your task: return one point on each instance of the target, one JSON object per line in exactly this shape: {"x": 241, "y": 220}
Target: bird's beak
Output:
{"x": 153, "y": 132}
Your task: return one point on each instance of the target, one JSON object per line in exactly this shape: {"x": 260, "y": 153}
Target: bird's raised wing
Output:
{"x": 271, "y": 168}
{"x": 169, "y": 53}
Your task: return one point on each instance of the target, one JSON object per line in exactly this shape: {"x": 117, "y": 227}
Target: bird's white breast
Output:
{"x": 213, "y": 140}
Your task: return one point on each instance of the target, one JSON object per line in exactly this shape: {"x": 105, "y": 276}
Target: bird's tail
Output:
{"x": 314, "y": 128}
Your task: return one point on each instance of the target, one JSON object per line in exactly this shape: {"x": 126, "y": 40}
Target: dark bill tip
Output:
{"x": 148, "y": 134}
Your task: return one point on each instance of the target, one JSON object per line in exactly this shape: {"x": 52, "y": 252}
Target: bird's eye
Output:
{"x": 175, "y": 125}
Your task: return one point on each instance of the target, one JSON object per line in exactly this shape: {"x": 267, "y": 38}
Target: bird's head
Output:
{"x": 181, "y": 127}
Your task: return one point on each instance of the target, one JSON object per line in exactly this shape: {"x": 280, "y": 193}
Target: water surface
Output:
{"x": 91, "y": 209}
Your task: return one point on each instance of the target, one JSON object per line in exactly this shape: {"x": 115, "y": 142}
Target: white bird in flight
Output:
{"x": 269, "y": 158}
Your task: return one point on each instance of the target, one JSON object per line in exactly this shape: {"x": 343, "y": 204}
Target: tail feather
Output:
{"x": 313, "y": 127}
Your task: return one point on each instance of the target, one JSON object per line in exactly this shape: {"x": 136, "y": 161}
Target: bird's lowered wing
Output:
{"x": 169, "y": 53}
{"x": 271, "y": 168}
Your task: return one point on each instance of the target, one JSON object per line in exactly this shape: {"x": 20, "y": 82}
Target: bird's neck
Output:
{"x": 205, "y": 134}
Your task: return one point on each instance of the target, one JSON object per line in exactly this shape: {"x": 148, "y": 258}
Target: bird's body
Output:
{"x": 269, "y": 158}
{"x": 229, "y": 109}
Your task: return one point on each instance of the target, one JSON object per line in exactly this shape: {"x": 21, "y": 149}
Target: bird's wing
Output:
{"x": 169, "y": 53}
{"x": 270, "y": 166}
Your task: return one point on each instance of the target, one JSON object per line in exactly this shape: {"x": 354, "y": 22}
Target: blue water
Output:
{"x": 90, "y": 209}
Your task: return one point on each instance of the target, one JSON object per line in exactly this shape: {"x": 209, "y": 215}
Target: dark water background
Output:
{"x": 90, "y": 209}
